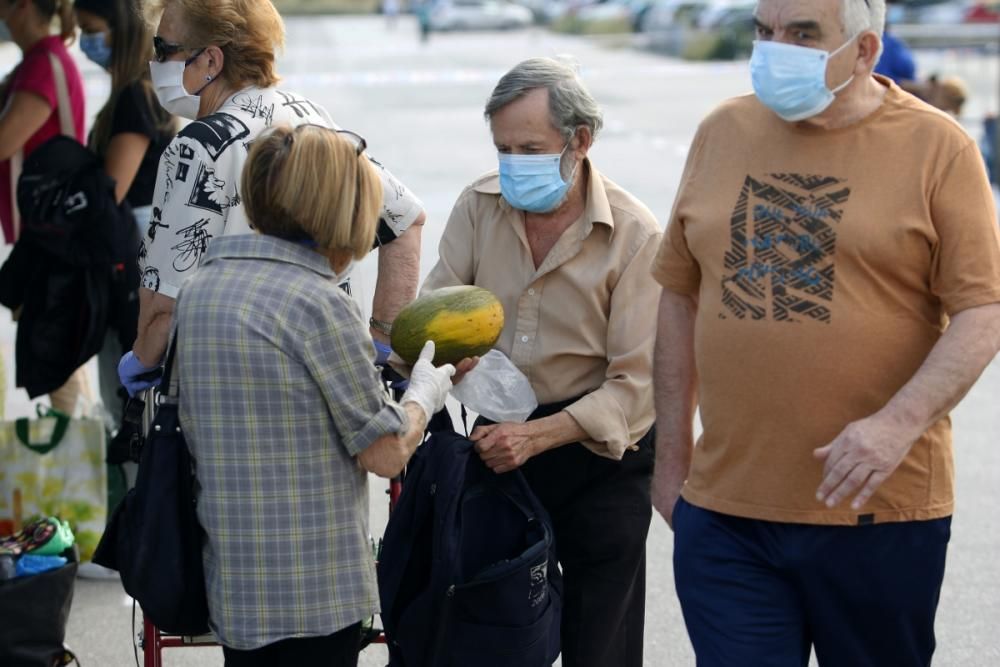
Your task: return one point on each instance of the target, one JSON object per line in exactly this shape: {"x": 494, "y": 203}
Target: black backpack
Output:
{"x": 68, "y": 271}
{"x": 467, "y": 572}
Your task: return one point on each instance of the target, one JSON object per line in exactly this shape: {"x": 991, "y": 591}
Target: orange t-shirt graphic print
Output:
{"x": 783, "y": 232}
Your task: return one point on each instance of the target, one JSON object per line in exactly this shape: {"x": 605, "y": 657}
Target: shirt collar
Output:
{"x": 261, "y": 246}
{"x": 596, "y": 210}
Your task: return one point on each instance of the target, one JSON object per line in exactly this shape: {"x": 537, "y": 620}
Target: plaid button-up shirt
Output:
{"x": 278, "y": 396}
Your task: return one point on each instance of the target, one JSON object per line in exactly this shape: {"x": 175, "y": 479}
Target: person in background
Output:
{"x": 215, "y": 64}
{"x": 30, "y": 116}
{"x": 284, "y": 412}
{"x": 947, "y": 94}
{"x": 897, "y": 61}
{"x": 130, "y": 133}
{"x": 131, "y": 129}
{"x": 390, "y": 8}
{"x": 567, "y": 252}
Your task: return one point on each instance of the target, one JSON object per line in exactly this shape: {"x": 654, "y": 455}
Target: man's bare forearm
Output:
{"x": 398, "y": 275}
{"x": 954, "y": 364}
{"x": 675, "y": 381}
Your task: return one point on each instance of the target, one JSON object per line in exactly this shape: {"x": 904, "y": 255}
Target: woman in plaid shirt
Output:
{"x": 283, "y": 408}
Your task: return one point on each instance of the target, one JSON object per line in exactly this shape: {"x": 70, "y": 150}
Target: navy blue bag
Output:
{"x": 467, "y": 573}
{"x": 153, "y": 538}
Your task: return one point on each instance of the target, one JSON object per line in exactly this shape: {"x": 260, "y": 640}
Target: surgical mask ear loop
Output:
{"x": 830, "y": 57}
{"x": 208, "y": 78}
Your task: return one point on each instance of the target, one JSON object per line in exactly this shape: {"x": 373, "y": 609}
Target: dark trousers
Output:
{"x": 337, "y": 650}
{"x": 600, "y": 511}
{"x": 763, "y": 593}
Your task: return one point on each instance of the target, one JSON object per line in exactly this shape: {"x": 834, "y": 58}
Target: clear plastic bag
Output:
{"x": 497, "y": 390}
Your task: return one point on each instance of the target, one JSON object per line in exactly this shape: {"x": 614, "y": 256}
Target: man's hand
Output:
{"x": 665, "y": 491}
{"x": 869, "y": 450}
{"x": 862, "y": 457}
{"x": 505, "y": 447}
{"x": 463, "y": 368}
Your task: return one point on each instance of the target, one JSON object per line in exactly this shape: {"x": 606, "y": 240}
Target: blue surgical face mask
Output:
{"x": 95, "y": 47}
{"x": 791, "y": 80}
{"x": 533, "y": 183}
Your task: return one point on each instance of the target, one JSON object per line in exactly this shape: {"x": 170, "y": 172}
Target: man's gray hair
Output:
{"x": 862, "y": 15}
{"x": 570, "y": 103}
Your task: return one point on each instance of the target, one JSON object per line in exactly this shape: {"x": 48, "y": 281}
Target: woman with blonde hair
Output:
{"x": 283, "y": 410}
{"x": 215, "y": 63}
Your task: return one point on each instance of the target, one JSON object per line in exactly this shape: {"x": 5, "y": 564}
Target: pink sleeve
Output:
{"x": 35, "y": 76}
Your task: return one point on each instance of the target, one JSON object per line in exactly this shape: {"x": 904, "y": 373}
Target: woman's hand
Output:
{"x": 429, "y": 386}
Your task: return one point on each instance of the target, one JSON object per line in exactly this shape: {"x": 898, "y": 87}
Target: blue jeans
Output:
{"x": 762, "y": 593}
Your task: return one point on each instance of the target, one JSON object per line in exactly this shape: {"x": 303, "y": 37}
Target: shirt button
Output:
{"x": 531, "y": 292}
{"x": 524, "y": 339}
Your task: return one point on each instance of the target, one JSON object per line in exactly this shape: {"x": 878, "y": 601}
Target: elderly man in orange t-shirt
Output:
{"x": 831, "y": 291}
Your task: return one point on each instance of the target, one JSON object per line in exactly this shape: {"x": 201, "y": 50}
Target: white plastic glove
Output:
{"x": 429, "y": 386}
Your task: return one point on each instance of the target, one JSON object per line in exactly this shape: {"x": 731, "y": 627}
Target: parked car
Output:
{"x": 630, "y": 12}
{"x": 479, "y": 15}
{"x": 700, "y": 29}
{"x": 951, "y": 11}
{"x": 611, "y": 12}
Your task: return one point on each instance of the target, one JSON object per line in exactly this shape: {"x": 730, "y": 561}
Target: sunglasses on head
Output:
{"x": 359, "y": 142}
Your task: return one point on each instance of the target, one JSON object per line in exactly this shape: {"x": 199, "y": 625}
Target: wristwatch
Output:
{"x": 380, "y": 325}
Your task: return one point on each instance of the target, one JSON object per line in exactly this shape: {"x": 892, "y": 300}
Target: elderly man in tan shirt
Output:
{"x": 568, "y": 252}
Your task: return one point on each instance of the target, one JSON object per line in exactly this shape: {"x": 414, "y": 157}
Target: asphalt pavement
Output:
{"x": 420, "y": 108}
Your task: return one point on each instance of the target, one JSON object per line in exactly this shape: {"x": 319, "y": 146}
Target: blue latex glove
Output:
{"x": 135, "y": 377}
{"x": 396, "y": 381}
{"x": 382, "y": 352}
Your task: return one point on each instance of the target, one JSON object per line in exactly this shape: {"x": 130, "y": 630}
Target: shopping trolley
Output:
{"x": 152, "y": 641}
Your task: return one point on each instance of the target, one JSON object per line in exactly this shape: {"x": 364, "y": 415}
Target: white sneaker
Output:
{"x": 90, "y": 570}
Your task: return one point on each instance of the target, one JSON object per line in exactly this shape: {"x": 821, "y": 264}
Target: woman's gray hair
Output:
{"x": 861, "y": 15}
{"x": 570, "y": 103}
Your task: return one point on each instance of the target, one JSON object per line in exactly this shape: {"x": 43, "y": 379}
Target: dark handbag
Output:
{"x": 154, "y": 539}
{"x": 66, "y": 266}
{"x": 34, "y": 611}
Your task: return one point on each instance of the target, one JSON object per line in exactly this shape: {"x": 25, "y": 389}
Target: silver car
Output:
{"x": 479, "y": 15}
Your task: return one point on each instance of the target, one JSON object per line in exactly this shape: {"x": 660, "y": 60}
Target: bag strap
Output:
{"x": 16, "y": 166}
{"x": 22, "y": 430}
{"x": 66, "y": 126}
{"x": 169, "y": 379}
{"x": 63, "y": 106}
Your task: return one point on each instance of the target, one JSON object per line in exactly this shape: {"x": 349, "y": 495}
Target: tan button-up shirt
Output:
{"x": 581, "y": 324}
